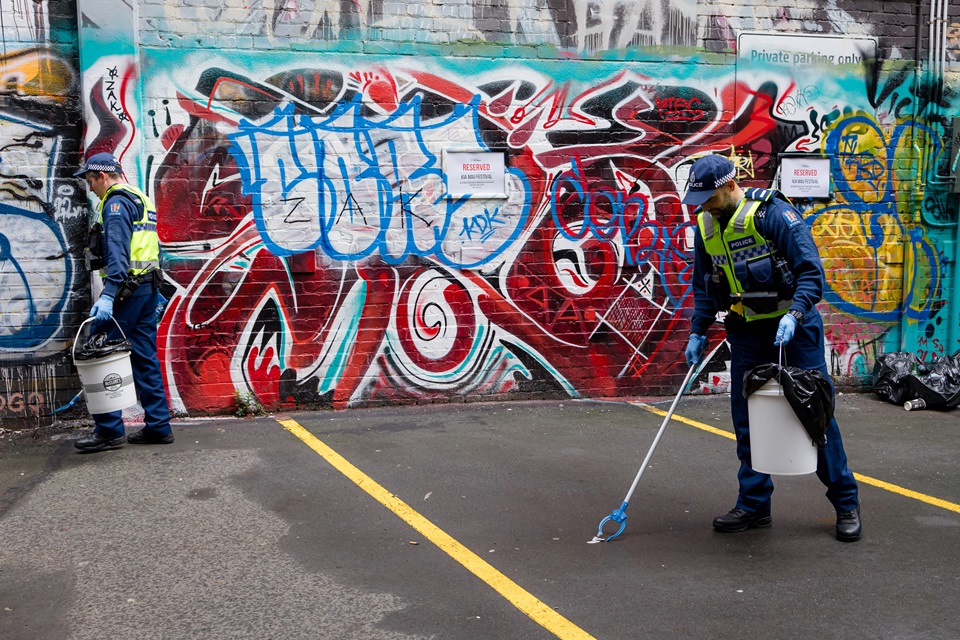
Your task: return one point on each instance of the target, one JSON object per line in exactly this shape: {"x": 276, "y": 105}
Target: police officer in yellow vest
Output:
{"x": 131, "y": 268}
{"x": 755, "y": 258}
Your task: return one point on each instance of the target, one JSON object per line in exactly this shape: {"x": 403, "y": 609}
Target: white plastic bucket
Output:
{"x": 778, "y": 442}
{"x": 107, "y": 381}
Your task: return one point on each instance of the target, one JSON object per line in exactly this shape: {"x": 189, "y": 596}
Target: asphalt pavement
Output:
{"x": 472, "y": 521}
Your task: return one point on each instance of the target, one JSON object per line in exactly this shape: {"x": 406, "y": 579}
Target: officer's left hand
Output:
{"x": 102, "y": 309}
{"x": 788, "y": 325}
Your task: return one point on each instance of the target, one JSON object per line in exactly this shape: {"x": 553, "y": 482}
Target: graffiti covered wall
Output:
{"x": 315, "y": 256}
{"x": 42, "y": 211}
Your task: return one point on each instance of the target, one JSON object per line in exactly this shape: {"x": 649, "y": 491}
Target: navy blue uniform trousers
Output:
{"x": 137, "y": 316}
{"x": 751, "y": 344}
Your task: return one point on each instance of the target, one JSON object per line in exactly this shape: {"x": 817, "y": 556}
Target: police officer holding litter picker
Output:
{"x": 755, "y": 258}
{"x": 130, "y": 251}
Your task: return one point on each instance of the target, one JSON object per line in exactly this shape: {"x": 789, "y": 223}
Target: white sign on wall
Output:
{"x": 801, "y": 49}
{"x": 474, "y": 174}
{"x": 805, "y": 176}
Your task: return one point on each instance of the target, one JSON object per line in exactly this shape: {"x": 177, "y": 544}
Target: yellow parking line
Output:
{"x": 908, "y": 493}
{"x": 514, "y": 593}
{"x": 922, "y": 497}
{"x": 693, "y": 423}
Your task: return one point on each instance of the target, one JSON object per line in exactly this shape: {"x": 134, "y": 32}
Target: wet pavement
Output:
{"x": 471, "y": 522}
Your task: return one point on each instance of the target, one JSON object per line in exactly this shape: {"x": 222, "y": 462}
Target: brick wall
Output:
{"x": 42, "y": 208}
{"x": 314, "y": 256}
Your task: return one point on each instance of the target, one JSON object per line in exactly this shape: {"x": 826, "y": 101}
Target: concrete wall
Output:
{"x": 296, "y": 151}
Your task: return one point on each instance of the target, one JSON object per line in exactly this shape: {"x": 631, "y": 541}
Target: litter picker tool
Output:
{"x": 619, "y": 516}
{"x": 64, "y": 407}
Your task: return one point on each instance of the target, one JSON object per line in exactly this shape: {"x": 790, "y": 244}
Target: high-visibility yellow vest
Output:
{"x": 734, "y": 250}
{"x": 144, "y": 243}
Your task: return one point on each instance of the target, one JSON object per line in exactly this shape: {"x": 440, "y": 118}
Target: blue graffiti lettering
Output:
{"x": 482, "y": 225}
{"x": 604, "y": 213}
{"x": 35, "y": 276}
{"x": 363, "y": 186}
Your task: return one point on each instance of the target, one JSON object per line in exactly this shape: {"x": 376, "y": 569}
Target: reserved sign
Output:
{"x": 475, "y": 173}
{"x": 805, "y": 177}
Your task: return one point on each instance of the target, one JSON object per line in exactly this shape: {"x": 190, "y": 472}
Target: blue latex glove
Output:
{"x": 103, "y": 309}
{"x": 695, "y": 348}
{"x": 788, "y": 325}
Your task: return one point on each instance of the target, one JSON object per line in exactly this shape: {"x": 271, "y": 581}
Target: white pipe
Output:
{"x": 930, "y": 23}
{"x": 935, "y": 79}
{"x": 938, "y": 48}
{"x": 934, "y": 36}
{"x": 927, "y": 113}
{"x": 944, "y": 24}
{"x": 939, "y": 51}
{"x": 941, "y": 47}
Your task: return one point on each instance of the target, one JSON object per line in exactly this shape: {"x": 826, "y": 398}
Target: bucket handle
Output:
{"x": 73, "y": 351}
{"x": 780, "y": 372}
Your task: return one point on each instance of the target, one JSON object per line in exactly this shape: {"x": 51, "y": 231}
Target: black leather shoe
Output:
{"x": 95, "y": 442}
{"x": 740, "y": 520}
{"x": 148, "y": 437}
{"x": 849, "y": 527}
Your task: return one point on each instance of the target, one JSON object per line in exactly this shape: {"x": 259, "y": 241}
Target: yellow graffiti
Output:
{"x": 744, "y": 163}
{"x": 861, "y": 235}
{"x": 910, "y": 164}
{"x": 37, "y": 73}
{"x": 863, "y": 161}
{"x": 860, "y": 275}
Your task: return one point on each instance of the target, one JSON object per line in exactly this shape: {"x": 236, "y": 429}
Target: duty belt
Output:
{"x": 744, "y": 304}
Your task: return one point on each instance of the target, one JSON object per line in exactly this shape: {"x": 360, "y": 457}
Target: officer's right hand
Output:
{"x": 695, "y": 348}
{"x": 788, "y": 325}
{"x": 102, "y": 309}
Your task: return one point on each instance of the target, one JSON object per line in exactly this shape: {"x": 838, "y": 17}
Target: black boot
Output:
{"x": 95, "y": 442}
{"x": 149, "y": 437}
{"x": 740, "y": 520}
{"x": 849, "y": 527}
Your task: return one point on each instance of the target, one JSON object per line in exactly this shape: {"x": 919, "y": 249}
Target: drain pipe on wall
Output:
{"x": 918, "y": 92}
{"x": 936, "y": 77}
{"x": 918, "y": 141}
{"x": 940, "y": 55}
{"x": 937, "y": 61}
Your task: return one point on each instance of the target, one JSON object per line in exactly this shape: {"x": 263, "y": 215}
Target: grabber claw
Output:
{"x": 619, "y": 516}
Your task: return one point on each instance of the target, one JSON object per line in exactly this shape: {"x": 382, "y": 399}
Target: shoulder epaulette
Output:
{"x": 763, "y": 195}
{"x": 131, "y": 197}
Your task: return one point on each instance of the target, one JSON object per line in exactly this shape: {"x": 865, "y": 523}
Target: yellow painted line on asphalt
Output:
{"x": 693, "y": 423}
{"x": 907, "y": 493}
{"x": 514, "y": 593}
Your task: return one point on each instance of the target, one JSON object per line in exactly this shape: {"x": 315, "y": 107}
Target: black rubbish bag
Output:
{"x": 808, "y": 392}
{"x": 901, "y": 376}
{"x": 98, "y": 346}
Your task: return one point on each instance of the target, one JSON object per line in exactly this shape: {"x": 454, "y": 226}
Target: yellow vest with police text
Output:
{"x": 738, "y": 245}
{"x": 144, "y": 243}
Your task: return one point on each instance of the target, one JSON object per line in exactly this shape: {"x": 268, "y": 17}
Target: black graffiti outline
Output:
{"x": 299, "y": 201}
{"x": 356, "y": 204}
{"x": 405, "y": 206}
